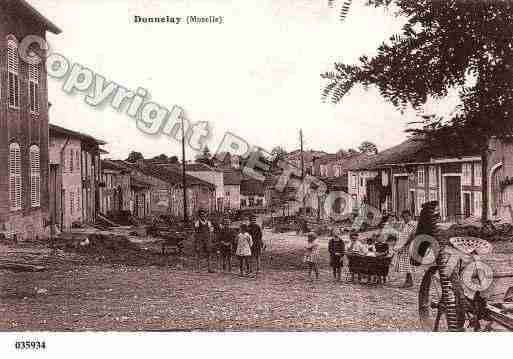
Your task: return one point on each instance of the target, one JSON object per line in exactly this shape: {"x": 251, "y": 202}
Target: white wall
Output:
{"x": 232, "y": 196}
{"x": 71, "y": 180}
{"x": 213, "y": 177}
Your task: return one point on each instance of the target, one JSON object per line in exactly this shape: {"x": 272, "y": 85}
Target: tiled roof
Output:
{"x": 409, "y": 151}
{"x": 113, "y": 165}
{"x": 191, "y": 167}
{"x": 170, "y": 174}
{"x": 35, "y": 14}
{"x": 76, "y": 134}
{"x": 163, "y": 173}
{"x": 307, "y": 155}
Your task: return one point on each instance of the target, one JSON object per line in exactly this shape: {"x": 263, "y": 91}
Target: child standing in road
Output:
{"x": 244, "y": 243}
{"x": 226, "y": 237}
{"x": 336, "y": 248}
{"x": 312, "y": 255}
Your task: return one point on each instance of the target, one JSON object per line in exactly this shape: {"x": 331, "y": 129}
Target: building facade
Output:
{"x": 406, "y": 176}
{"x": 24, "y": 198}
{"x": 232, "y": 179}
{"x": 74, "y": 177}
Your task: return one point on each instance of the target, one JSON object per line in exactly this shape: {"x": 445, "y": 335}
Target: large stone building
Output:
{"x": 24, "y": 106}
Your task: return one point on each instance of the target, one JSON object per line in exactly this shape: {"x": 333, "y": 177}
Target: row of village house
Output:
{"x": 82, "y": 186}
{"x": 55, "y": 175}
{"x": 403, "y": 178}
{"x": 407, "y": 175}
{"x": 410, "y": 174}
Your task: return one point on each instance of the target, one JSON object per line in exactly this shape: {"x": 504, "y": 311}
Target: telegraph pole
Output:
{"x": 302, "y": 168}
{"x": 302, "y": 158}
{"x": 184, "y": 183}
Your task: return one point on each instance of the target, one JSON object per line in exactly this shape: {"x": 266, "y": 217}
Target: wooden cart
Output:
{"x": 365, "y": 266}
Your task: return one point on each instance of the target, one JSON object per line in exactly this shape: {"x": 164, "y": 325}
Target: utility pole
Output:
{"x": 302, "y": 158}
{"x": 302, "y": 168}
{"x": 184, "y": 182}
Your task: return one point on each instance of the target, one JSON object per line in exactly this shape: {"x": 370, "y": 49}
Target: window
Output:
{"x": 466, "y": 170}
{"x": 71, "y": 160}
{"x": 78, "y": 201}
{"x": 384, "y": 178}
{"x": 421, "y": 199}
{"x": 432, "y": 176}
{"x": 433, "y": 195}
{"x": 15, "y": 186}
{"x": 13, "y": 79}
{"x": 71, "y": 202}
{"x": 34, "y": 75}
{"x": 35, "y": 177}
{"x": 353, "y": 184}
{"x": 477, "y": 204}
{"x": 477, "y": 174}
{"x": 420, "y": 176}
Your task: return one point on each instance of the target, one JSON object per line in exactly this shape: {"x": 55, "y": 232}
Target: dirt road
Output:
{"x": 122, "y": 297}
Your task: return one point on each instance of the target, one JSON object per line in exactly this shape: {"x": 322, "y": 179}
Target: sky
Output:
{"x": 257, "y": 75}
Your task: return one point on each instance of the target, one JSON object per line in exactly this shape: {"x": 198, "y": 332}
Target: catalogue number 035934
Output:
{"x": 30, "y": 345}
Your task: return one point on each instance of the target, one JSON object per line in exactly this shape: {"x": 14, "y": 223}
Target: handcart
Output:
{"x": 369, "y": 266}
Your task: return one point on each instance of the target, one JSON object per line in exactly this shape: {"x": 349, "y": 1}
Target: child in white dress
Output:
{"x": 244, "y": 243}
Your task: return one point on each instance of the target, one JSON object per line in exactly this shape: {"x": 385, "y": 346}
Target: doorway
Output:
{"x": 401, "y": 194}
{"x": 453, "y": 197}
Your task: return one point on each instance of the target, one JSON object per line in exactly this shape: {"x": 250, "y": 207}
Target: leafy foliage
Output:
{"x": 368, "y": 147}
{"x": 134, "y": 157}
{"x": 279, "y": 153}
{"x": 163, "y": 158}
{"x": 344, "y": 8}
{"x": 205, "y": 157}
{"x": 443, "y": 45}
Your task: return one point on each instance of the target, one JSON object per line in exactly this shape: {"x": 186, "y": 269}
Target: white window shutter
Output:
{"x": 13, "y": 72}
{"x": 12, "y": 56}
{"x": 35, "y": 177}
{"x": 15, "y": 190}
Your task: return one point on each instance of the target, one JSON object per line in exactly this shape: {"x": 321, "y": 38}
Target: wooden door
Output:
{"x": 453, "y": 197}
{"x": 401, "y": 194}
{"x": 467, "y": 210}
{"x": 55, "y": 194}
{"x": 373, "y": 193}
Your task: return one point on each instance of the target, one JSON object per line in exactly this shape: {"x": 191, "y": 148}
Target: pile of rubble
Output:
{"x": 112, "y": 246}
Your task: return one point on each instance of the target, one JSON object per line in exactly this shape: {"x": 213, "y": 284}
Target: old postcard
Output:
{"x": 259, "y": 166}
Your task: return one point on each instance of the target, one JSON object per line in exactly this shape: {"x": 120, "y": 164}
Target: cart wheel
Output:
{"x": 431, "y": 309}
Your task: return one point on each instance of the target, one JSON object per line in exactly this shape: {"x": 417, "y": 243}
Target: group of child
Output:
{"x": 342, "y": 243}
{"x": 245, "y": 243}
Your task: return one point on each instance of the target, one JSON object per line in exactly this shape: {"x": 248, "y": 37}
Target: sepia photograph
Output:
{"x": 261, "y": 167}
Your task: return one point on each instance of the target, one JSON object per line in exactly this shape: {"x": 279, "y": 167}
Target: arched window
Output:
{"x": 35, "y": 177}
{"x": 13, "y": 64}
{"x": 15, "y": 186}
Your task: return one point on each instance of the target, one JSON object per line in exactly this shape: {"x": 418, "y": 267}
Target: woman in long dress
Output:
{"x": 402, "y": 248}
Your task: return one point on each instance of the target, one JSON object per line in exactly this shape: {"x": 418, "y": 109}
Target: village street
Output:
{"x": 74, "y": 296}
